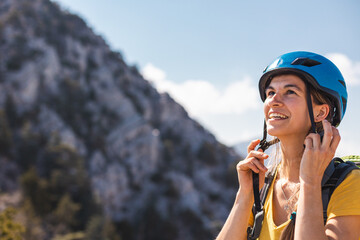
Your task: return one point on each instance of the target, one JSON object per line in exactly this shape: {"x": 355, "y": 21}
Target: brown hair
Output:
{"x": 289, "y": 231}
{"x": 322, "y": 98}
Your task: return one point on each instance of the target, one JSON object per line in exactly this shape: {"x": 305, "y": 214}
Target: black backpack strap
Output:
{"x": 264, "y": 191}
{"x": 335, "y": 173}
{"x": 258, "y": 210}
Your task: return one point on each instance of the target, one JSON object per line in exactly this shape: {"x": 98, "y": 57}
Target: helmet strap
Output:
{"x": 310, "y": 108}
{"x": 265, "y": 131}
{"x": 266, "y": 144}
{"x": 263, "y": 143}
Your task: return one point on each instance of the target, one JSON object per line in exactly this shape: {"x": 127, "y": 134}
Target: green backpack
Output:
{"x": 353, "y": 158}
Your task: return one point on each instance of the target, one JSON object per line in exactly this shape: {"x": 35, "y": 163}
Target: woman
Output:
{"x": 304, "y": 94}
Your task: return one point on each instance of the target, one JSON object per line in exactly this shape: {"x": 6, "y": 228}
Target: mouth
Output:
{"x": 277, "y": 116}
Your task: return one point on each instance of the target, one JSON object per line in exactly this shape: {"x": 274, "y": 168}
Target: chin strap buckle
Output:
{"x": 264, "y": 145}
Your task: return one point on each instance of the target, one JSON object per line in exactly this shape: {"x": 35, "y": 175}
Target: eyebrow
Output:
{"x": 286, "y": 86}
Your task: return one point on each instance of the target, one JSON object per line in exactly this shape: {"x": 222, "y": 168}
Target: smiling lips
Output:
{"x": 277, "y": 116}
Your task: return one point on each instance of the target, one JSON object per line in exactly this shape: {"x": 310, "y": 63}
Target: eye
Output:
{"x": 290, "y": 92}
{"x": 270, "y": 93}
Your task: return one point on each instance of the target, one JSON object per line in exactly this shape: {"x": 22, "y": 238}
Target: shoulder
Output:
{"x": 345, "y": 199}
{"x": 351, "y": 180}
{"x": 351, "y": 184}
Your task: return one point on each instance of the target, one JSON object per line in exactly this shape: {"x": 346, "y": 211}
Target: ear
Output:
{"x": 321, "y": 112}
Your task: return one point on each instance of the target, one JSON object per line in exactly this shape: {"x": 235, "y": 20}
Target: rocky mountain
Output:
{"x": 89, "y": 149}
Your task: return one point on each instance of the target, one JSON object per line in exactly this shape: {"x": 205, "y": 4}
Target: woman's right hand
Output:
{"x": 237, "y": 222}
{"x": 253, "y": 162}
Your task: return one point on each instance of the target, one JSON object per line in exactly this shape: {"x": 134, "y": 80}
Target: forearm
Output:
{"x": 236, "y": 224}
{"x": 309, "y": 217}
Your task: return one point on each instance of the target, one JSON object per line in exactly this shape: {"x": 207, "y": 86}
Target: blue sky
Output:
{"x": 210, "y": 54}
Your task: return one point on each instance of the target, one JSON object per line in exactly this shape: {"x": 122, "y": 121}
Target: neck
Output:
{"x": 292, "y": 149}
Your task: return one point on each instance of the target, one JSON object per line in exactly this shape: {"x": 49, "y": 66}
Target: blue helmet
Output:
{"x": 315, "y": 70}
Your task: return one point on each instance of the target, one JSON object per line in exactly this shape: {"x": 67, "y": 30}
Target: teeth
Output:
{"x": 277, "y": 116}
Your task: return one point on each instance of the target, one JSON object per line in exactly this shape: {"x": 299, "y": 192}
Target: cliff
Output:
{"x": 83, "y": 137}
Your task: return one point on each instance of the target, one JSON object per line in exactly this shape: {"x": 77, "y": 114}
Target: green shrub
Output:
{"x": 9, "y": 229}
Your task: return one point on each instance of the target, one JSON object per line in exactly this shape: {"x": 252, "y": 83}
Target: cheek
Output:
{"x": 302, "y": 113}
{"x": 266, "y": 109}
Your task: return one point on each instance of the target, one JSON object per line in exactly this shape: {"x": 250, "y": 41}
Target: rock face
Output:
{"x": 156, "y": 173}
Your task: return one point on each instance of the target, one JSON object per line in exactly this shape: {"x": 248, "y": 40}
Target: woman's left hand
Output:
{"x": 318, "y": 154}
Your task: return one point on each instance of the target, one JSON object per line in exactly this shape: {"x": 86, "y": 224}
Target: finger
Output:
{"x": 336, "y": 139}
{"x": 260, "y": 165}
{"x": 258, "y": 154}
{"x": 252, "y": 145}
{"x": 249, "y": 165}
{"x": 328, "y": 133}
{"x": 254, "y": 168}
{"x": 316, "y": 140}
{"x": 308, "y": 142}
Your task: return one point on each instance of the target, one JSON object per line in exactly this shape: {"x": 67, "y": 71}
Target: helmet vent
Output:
{"x": 344, "y": 104}
{"x": 342, "y": 82}
{"x": 305, "y": 62}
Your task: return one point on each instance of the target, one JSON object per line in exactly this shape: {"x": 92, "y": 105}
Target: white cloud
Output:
{"x": 233, "y": 113}
{"x": 349, "y": 69}
{"x": 200, "y": 97}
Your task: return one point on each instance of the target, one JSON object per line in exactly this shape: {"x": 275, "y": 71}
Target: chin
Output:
{"x": 276, "y": 131}
{"x": 273, "y": 132}
{"x": 282, "y": 132}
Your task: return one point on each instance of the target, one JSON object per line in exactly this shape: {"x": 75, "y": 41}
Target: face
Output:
{"x": 285, "y": 107}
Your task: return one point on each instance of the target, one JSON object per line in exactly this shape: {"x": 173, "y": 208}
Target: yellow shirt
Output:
{"x": 344, "y": 201}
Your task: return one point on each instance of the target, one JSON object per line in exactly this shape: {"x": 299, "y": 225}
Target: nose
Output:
{"x": 275, "y": 100}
